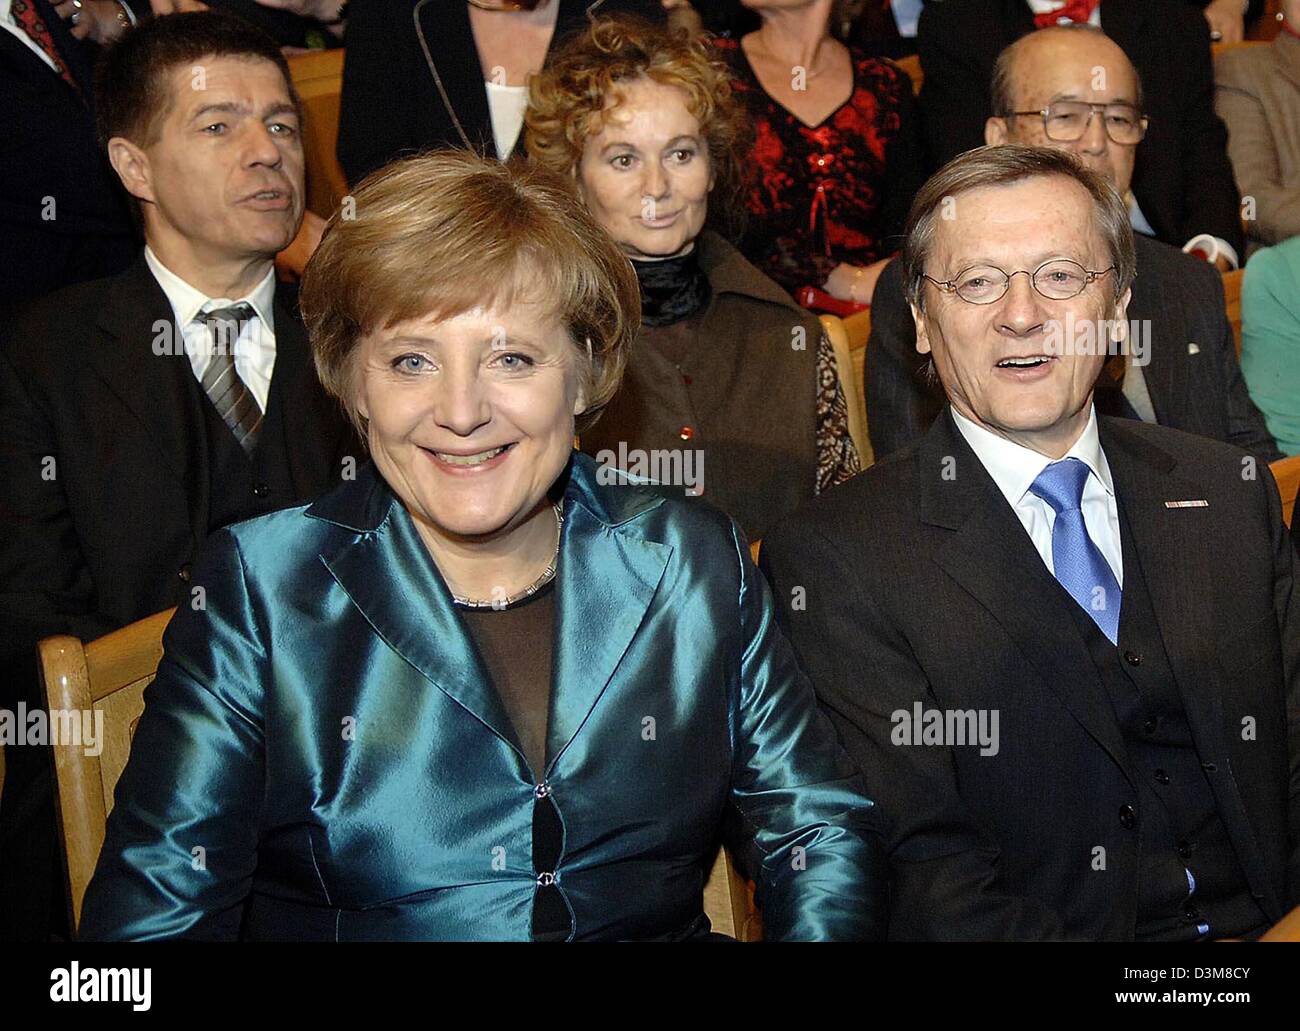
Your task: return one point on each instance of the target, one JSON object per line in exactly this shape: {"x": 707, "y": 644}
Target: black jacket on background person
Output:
{"x": 1183, "y": 181}
{"x": 112, "y": 476}
{"x": 63, "y": 214}
{"x": 391, "y": 105}
{"x": 1193, "y": 376}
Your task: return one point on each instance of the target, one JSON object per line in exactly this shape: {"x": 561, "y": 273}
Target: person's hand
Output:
{"x": 1227, "y": 20}
{"x": 294, "y": 258}
{"x": 321, "y": 10}
{"x": 95, "y": 20}
{"x": 176, "y": 6}
{"x": 854, "y": 282}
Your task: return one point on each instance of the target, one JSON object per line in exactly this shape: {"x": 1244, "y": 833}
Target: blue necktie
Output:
{"x": 1077, "y": 563}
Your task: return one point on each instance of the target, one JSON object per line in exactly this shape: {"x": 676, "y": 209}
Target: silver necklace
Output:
{"x": 548, "y": 574}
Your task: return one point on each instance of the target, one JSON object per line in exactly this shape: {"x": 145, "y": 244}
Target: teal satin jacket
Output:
{"x": 322, "y": 755}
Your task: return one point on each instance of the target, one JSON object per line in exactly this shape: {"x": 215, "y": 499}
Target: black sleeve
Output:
{"x": 900, "y": 406}
{"x": 374, "y": 119}
{"x": 954, "y": 97}
{"x": 904, "y": 167}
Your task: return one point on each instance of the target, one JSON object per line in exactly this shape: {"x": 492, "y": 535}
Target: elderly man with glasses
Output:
{"x": 1063, "y": 648}
{"x": 1073, "y": 89}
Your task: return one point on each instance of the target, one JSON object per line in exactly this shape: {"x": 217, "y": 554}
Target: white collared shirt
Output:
{"x": 1014, "y": 469}
{"x": 255, "y": 348}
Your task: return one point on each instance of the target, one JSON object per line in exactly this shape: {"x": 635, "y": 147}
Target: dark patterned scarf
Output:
{"x": 671, "y": 289}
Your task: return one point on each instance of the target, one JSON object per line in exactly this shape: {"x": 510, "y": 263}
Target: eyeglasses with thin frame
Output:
{"x": 1058, "y": 280}
{"x": 1066, "y": 121}
{"x": 510, "y": 6}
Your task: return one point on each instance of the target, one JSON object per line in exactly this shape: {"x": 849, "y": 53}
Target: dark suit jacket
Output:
{"x": 1181, "y": 296}
{"x": 1184, "y": 180}
{"x": 921, "y": 586}
{"x": 391, "y": 104}
{"x": 63, "y": 214}
{"x": 108, "y": 536}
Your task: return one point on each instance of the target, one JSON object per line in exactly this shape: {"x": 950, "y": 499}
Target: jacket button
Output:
{"x": 1149, "y": 727}
{"x": 546, "y": 880}
{"x": 261, "y": 490}
{"x": 184, "y": 572}
{"x": 687, "y": 379}
{"x": 1127, "y": 817}
{"x": 1192, "y": 914}
{"x": 686, "y": 433}
{"x": 1133, "y": 658}
{"x": 542, "y": 790}
{"x": 1162, "y": 777}
{"x": 1185, "y": 849}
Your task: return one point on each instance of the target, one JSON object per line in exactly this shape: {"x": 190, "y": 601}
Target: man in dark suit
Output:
{"x": 140, "y": 413}
{"x": 1184, "y": 187}
{"x": 1064, "y": 649}
{"x": 63, "y": 215}
{"x": 1185, "y": 372}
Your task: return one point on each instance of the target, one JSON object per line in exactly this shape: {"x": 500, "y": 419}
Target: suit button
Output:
{"x": 184, "y": 572}
{"x": 546, "y": 880}
{"x": 687, "y": 379}
{"x": 1149, "y": 727}
{"x": 1192, "y": 914}
{"x": 1133, "y": 658}
{"x": 1128, "y": 817}
{"x": 542, "y": 790}
{"x": 1185, "y": 849}
{"x": 686, "y": 433}
{"x": 261, "y": 490}
{"x": 1162, "y": 777}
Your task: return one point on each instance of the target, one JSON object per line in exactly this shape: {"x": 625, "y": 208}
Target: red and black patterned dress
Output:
{"x": 834, "y": 192}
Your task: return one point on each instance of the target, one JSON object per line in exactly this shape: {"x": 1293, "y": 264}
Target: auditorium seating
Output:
{"x": 318, "y": 78}
{"x": 108, "y": 675}
{"x": 1232, "y": 297}
{"x": 849, "y": 338}
{"x": 1286, "y": 471}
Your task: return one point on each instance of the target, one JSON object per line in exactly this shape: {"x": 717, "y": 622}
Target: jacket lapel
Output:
{"x": 1170, "y": 542}
{"x": 142, "y": 359}
{"x": 388, "y": 573}
{"x": 989, "y": 543}
{"x": 605, "y": 583}
{"x": 604, "y": 586}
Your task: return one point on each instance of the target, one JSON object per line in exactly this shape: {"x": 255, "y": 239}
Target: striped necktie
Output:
{"x": 1077, "y": 562}
{"x": 228, "y": 393}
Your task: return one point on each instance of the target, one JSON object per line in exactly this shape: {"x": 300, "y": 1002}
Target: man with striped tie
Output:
{"x": 1064, "y": 649}
{"x": 140, "y": 413}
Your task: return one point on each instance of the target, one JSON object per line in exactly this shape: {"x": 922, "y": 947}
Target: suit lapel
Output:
{"x": 605, "y": 583}
{"x": 142, "y": 359}
{"x": 391, "y": 578}
{"x": 1170, "y": 543}
{"x": 1167, "y": 370}
{"x": 992, "y": 558}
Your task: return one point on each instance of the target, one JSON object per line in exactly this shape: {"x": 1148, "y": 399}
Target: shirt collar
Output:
{"x": 187, "y": 301}
{"x": 1014, "y": 467}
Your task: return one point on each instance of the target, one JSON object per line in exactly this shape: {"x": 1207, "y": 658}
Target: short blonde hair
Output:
{"x": 444, "y": 232}
{"x": 568, "y": 100}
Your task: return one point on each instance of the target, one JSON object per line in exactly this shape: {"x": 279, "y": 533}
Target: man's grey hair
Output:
{"x": 1002, "y": 166}
{"x": 1002, "y": 86}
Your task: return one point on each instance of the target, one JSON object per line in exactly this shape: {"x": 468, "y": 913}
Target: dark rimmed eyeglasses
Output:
{"x": 1057, "y": 280}
{"x": 1067, "y": 120}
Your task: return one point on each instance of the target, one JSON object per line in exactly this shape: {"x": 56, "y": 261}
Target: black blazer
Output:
{"x": 1183, "y": 181}
{"x": 81, "y": 386}
{"x": 1193, "y": 377}
{"x": 51, "y": 164}
{"x": 918, "y": 585}
{"x": 391, "y": 105}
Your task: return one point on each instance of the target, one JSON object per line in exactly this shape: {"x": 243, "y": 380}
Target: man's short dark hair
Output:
{"x": 131, "y": 92}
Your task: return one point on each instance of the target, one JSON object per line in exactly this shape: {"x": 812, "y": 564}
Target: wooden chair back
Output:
{"x": 1232, "y": 297}
{"x": 1286, "y": 471}
{"x": 849, "y": 338}
{"x": 107, "y": 676}
{"x": 318, "y": 78}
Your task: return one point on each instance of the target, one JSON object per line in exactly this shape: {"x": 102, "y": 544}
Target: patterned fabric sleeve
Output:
{"x": 837, "y": 456}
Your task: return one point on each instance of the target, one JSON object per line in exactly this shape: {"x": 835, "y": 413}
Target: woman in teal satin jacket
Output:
{"x": 476, "y": 692}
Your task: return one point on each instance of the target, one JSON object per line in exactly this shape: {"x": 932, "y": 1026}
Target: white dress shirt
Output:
{"x": 506, "y": 107}
{"x": 255, "y": 348}
{"x": 1014, "y": 469}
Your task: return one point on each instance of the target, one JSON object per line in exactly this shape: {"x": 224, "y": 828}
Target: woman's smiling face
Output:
{"x": 471, "y": 418}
